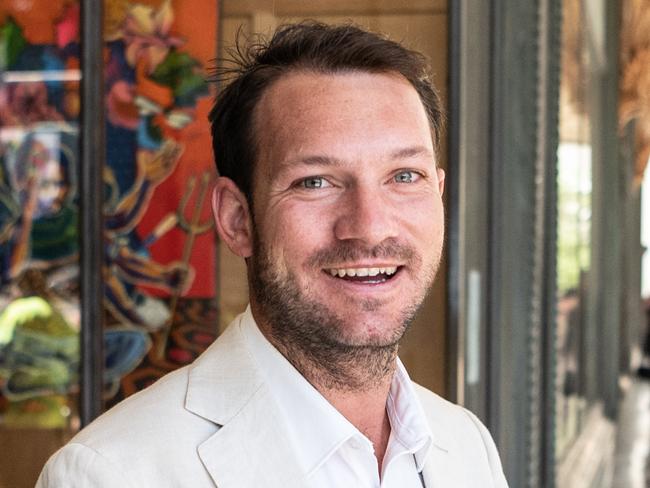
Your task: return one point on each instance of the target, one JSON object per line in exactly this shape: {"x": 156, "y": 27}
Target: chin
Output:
{"x": 364, "y": 333}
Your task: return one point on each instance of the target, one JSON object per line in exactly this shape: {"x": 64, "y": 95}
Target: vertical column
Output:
{"x": 551, "y": 22}
{"x": 517, "y": 225}
{"x": 468, "y": 172}
{"x": 610, "y": 194}
{"x": 503, "y": 145}
{"x": 91, "y": 221}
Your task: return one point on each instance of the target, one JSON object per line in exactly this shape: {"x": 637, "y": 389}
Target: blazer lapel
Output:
{"x": 443, "y": 467}
{"x": 441, "y": 470}
{"x": 251, "y": 447}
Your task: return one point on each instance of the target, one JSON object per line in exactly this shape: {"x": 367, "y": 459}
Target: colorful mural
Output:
{"x": 158, "y": 150}
{"x": 157, "y": 104}
{"x": 39, "y": 326}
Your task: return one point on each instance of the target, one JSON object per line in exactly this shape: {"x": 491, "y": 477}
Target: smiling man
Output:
{"x": 325, "y": 139}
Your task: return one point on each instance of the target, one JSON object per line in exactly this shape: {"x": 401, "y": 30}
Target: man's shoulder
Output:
{"x": 450, "y": 422}
{"x": 149, "y": 438}
{"x": 160, "y": 409}
{"x": 434, "y": 404}
{"x": 142, "y": 414}
{"x": 461, "y": 434}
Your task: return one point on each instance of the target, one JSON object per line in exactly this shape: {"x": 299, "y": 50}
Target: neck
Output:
{"x": 348, "y": 370}
{"x": 366, "y": 410}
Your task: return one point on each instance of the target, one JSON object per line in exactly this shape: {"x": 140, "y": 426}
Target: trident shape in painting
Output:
{"x": 193, "y": 228}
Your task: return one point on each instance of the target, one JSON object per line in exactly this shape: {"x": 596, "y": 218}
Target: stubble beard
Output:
{"x": 313, "y": 337}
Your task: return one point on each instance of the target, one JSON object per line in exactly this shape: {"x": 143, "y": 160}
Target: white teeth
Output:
{"x": 342, "y": 272}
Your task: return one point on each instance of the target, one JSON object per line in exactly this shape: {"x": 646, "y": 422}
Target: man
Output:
{"x": 326, "y": 145}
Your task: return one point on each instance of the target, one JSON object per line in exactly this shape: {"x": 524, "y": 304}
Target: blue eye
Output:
{"x": 314, "y": 183}
{"x": 405, "y": 177}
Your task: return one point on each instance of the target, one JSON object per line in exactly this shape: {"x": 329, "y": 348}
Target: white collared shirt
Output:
{"x": 329, "y": 448}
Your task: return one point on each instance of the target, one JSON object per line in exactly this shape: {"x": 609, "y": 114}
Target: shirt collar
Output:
{"x": 408, "y": 422}
{"x": 302, "y": 403}
{"x": 299, "y": 401}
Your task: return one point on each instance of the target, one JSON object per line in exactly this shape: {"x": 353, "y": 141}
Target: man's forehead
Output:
{"x": 298, "y": 98}
{"x": 304, "y": 87}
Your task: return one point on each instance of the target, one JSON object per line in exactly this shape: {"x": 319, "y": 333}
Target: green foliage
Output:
{"x": 573, "y": 239}
{"x": 180, "y": 72}
{"x": 12, "y": 43}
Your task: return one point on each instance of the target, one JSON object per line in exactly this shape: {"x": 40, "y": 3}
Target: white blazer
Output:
{"x": 215, "y": 423}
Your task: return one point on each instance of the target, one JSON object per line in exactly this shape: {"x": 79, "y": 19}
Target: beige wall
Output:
{"x": 419, "y": 24}
{"x": 25, "y": 451}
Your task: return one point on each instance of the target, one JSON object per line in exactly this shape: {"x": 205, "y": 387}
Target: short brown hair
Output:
{"x": 306, "y": 46}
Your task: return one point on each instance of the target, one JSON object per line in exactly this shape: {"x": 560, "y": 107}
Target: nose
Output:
{"x": 368, "y": 216}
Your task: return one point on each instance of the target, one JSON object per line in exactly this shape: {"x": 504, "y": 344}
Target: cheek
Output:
{"x": 289, "y": 241}
{"x": 300, "y": 229}
{"x": 429, "y": 225}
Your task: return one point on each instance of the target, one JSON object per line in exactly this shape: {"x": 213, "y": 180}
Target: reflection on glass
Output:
{"x": 574, "y": 183}
{"x": 39, "y": 324}
{"x": 39, "y": 300}
{"x": 573, "y": 257}
{"x": 574, "y": 214}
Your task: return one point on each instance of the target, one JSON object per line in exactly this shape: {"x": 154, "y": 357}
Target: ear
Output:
{"x": 232, "y": 217}
{"x": 441, "y": 180}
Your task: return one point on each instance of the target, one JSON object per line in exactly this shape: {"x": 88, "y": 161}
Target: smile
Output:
{"x": 365, "y": 275}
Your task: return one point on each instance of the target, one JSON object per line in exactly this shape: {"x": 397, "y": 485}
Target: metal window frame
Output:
{"x": 504, "y": 87}
{"x": 468, "y": 170}
{"x": 91, "y": 222}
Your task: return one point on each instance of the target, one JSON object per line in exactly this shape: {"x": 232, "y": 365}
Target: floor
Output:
{"x": 632, "y": 458}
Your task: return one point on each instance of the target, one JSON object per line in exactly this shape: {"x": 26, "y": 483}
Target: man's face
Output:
{"x": 347, "y": 213}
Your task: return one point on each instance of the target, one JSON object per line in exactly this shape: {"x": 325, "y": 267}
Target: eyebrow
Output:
{"x": 412, "y": 152}
{"x": 322, "y": 160}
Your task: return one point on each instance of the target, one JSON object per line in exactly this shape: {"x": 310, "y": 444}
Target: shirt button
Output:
{"x": 355, "y": 444}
